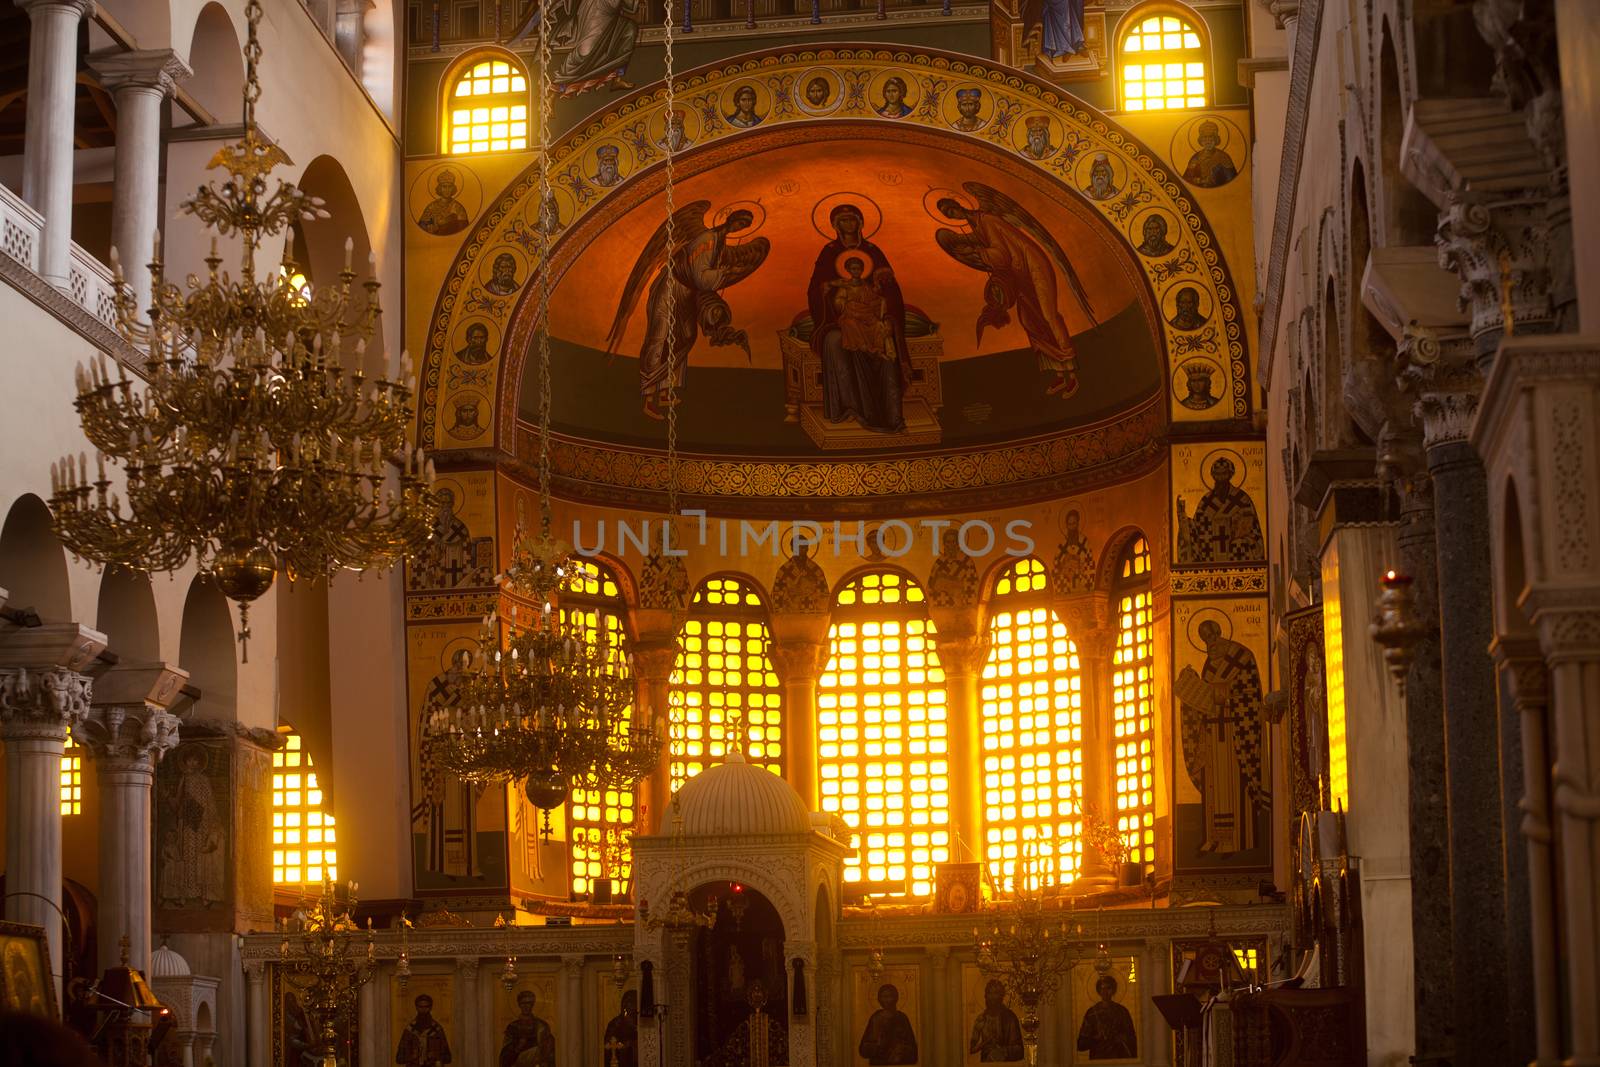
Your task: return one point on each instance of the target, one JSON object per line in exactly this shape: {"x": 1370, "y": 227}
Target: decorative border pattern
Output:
{"x": 1224, "y": 582}
{"x": 636, "y": 122}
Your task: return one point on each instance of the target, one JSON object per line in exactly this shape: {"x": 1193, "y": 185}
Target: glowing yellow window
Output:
{"x": 487, "y": 109}
{"x": 1338, "y": 788}
{"x": 601, "y": 820}
{"x": 72, "y": 778}
{"x": 303, "y": 836}
{"x": 881, "y": 736}
{"x": 1163, "y": 59}
{"x": 724, "y": 682}
{"x": 1132, "y": 723}
{"x": 1032, "y": 735}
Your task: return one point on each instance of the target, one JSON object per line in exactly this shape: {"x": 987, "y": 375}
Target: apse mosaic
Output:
{"x": 880, "y": 258}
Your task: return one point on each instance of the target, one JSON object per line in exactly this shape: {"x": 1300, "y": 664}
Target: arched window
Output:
{"x": 1032, "y": 734}
{"x": 724, "y": 681}
{"x": 486, "y": 109}
{"x": 1132, "y": 702}
{"x": 881, "y": 737}
{"x": 303, "y": 842}
{"x": 72, "y": 777}
{"x": 600, "y": 821}
{"x": 1164, "y": 60}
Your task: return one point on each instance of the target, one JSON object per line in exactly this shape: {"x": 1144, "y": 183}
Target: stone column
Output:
{"x": 799, "y": 662}
{"x": 1088, "y": 620}
{"x": 1402, "y": 465}
{"x": 47, "y": 145}
{"x": 573, "y": 1027}
{"x": 1532, "y": 945}
{"x": 1449, "y": 386}
{"x": 140, "y": 82}
{"x": 467, "y": 1029}
{"x": 367, "y": 1014}
{"x": 963, "y": 649}
{"x": 43, "y": 694}
{"x": 653, "y": 660}
{"x": 803, "y": 1034}
{"x": 259, "y": 1007}
{"x": 1569, "y": 632}
{"x": 127, "y": 732}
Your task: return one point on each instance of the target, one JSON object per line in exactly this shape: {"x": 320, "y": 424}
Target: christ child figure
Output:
{"x": 861, "y": 308}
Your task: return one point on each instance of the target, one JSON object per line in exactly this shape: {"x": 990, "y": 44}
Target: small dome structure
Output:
{"x": 165, "y": 963}
{"x": 736, "y": 799}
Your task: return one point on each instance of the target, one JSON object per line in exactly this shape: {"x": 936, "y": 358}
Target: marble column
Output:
{"x": 368, "y": 1048}
{"x": 43, "y": 694}
{"x": 653, "y": 660}
{"x": 47, "y": 143}
{"x": 799, "y": 662}
{"x": 962, "y": 654}
{"x": 140, "y": 82}
{"x": 574, "y": 1027}
{"x": 259, "y": 1008}
{"x": 127, "y": 731}
{"x": 1087, "y": 618}
{"x": 1449, "y": 387}
{"x": 1532, "y": 945}
{"x": 1568, "y": 622}
{"x": 1402, "y": 464}
{"x": 466, "y": 993}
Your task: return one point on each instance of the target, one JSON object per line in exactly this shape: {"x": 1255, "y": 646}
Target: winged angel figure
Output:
{"x": 1021, "y": 258}
{"x": 688, "y": 279}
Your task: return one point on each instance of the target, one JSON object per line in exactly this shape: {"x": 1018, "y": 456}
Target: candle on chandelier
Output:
{"x": 349, "y": 251}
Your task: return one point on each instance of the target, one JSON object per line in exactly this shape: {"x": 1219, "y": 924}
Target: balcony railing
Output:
{"x": 88, "y": 280}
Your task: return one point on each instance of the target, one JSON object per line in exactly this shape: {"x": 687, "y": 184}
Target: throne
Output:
{"x": 921, "y": 402}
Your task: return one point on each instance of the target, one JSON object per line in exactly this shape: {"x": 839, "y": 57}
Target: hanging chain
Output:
{"x": 549, "y": 216}
{"x": 252, "y": 56}
{"x": 672, "y": 307}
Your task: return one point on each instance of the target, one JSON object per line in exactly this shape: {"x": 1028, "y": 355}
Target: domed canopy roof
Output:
{"x": 736, "y": 798}
{"x": 165, "y": 963}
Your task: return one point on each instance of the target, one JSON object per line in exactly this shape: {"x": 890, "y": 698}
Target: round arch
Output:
{"x": 325, "y": 239}
{"x": 206, "y": 649}
{"x": 127, "y": 614}
{"x": 1116, "y": 547}
{"x": 217, "y": 59}
{"x": 33, "y": 565}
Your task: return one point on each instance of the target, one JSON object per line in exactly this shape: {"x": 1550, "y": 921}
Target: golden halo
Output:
{"x": 938, "y": 193}
{"x": 848, "y": 254}
{"x": 454, "y": 645}
{"x": 1239, "y": 471}
{"x": 755, "y": 208}
{"x": 1221, "y": 618}
{"x": 871, "y": 213}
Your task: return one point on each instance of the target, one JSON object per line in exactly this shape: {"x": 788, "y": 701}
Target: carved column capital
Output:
{"x": 653, "y": 660}
{"x": 42, "y": 704}
{"x": 157, "y": 70}
{"x": 1569, "y": 633}
{"x": 1500, "y": 247}
{"x": 962, "y": 653}
{"x": 798, "y": 661}
{"x": 468, "y": 966}
{"x": 572, "y": 965}
{"x": 1523, "y": 661}
{"x": 139, "y": 733}
{"x": 1282, "y": 11}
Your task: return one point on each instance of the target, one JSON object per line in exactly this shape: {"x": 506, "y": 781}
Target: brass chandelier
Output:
{"x": 324, "y": 964}
{"x": 546, "y": 701}
{"x": 257, "y": 442}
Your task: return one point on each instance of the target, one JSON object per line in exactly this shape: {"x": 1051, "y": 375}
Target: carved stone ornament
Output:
{"x": 138, "y": 732}
{"x": 44, "y": 704}
{"x": 1527, "y": 69}
{"x": 801, "y": 585}
{"x": 1508, "y": 253}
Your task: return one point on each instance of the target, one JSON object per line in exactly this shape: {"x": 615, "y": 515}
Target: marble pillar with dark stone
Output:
{"x": 1432, "y": 944}
{"x": 1449, "y": 388}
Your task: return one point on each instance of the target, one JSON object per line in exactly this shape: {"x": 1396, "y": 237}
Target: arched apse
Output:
{"x": 325, "y": 239}
{"x": 206, "y": 650}
{"x": 127, "y": 615}
{"x": 1409, "y": 217}
{"x": 33, "y": 565}
{"x": 217, "y": 60}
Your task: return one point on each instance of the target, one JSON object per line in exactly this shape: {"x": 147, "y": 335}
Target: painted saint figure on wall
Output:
{"x": 444, "y": 215}
{"x": 423, "y": 1042}
{"x": 621, "y": 1039}
{"x": 1221, "y": 723}
{"x": 858, "y": 327}
{"x": 601, "y": 35}
{"x": 760, "y": 1040}
{"x": 193, "y": 848}
{"x": 1224, "y": 527}
{"x": 996, "y": 1033}
{"x": 1210, "y": 166}
{"x": 888, "y": 1039}
{"x": 1021, "y": 259}
{"x": 529, "y": 1041}
{"x": 1107, "y": 1031}
{"x": 689, "y": 278}
{"x": 1055, "y": 27}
